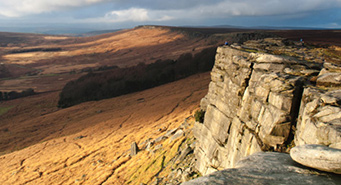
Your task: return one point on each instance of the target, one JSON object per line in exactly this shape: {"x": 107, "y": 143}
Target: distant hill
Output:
{"x": 270, "y": 27}
{"x": 99, "y": 32}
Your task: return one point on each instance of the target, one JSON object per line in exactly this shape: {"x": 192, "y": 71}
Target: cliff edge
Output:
{"x": 267, "y": 95}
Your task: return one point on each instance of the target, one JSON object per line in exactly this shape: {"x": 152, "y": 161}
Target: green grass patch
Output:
{"x": 4, "y": 110}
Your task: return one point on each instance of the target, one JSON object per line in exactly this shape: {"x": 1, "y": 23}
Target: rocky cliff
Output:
{"x": 259, "y": 101}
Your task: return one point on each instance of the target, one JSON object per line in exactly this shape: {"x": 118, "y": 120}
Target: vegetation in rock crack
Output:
{"x": 199, "y": 116}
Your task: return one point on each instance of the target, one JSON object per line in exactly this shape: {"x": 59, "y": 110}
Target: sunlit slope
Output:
{"x": 89, "y": 143}
{"x": 143, "y": 44}
{"x": 50, "y": 59}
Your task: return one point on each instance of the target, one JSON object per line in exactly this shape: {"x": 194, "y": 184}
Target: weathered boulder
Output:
{"x": 177, "y": 134}
{"x": 330, "y": 76}
{"x": 133, "y": 149}
{"x": 318, "y": 156}
{"x": 267, "y": 168}
{"x": 159, "y": 139}
{"x": 329, "y": 79}
{"x": 184, "y": 153}
{"x": 170, "y": 132}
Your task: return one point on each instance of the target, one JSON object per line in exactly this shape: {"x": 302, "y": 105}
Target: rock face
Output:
{"x": 320, "y": 113}
{"x": 318, "y": 156}
{"x": 250, "y": 107}
{"x": 263, "y": 102}
{"x": 267, "y": 168}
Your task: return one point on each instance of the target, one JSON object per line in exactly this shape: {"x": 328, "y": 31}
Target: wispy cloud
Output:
{"x": 137, "y": 15}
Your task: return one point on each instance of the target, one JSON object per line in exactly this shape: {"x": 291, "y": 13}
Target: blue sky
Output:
{"x": 115, "y": 14}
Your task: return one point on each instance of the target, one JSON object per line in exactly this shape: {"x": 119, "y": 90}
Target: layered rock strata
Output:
{"x": 253, "y": 104}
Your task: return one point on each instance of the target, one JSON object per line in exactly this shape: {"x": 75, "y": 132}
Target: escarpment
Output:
{"x": 264, "y": 102}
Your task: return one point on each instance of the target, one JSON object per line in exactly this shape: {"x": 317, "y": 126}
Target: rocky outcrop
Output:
{"x": 318, "y": 156}
{"x": 250, "y": 106}
{"x": 264, "y": 102}
{"x": 267, "y": 168}
{"x": 320, "y": 113}
{"x": 320, "y": 117}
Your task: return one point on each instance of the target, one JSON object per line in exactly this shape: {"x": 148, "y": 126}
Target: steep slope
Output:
{"x": 89, "y": 143}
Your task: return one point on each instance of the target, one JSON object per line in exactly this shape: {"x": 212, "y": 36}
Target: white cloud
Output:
{"x": 134, "y": 15}
{"x": 18, "y": 8}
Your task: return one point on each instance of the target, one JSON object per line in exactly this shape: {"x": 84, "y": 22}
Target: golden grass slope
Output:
{"x": 89, "y": 143}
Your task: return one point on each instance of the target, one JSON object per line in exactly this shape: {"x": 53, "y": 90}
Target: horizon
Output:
{"x": 81, "y": 16}
{"x": 74, "y": 31}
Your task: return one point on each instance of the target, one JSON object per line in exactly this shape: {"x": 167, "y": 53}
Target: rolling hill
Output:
{"x": 29, "y": 59}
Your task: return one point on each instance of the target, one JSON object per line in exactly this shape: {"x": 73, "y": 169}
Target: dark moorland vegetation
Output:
{"x": 4, "y": 72}
{"x": 14, "y": 95}
{"x": 119, "y": 81}
{"x": 36, "y": 50}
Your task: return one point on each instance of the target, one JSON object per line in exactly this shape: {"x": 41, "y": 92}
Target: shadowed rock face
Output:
{"x": 267, "y": 168}
{"x": 256, "y": 101}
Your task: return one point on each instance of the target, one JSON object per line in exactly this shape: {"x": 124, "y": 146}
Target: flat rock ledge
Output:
{"x": 267, "y": 168}
{"x": 318, "y": 156}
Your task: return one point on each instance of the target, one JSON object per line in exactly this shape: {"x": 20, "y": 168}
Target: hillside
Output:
{"x": 88, "y": 141}
{"x": 29, "y": 59}
{"x": 34, "y": 61}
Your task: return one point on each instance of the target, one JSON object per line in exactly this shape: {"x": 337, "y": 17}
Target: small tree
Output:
{"x": 199, "y": 116}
